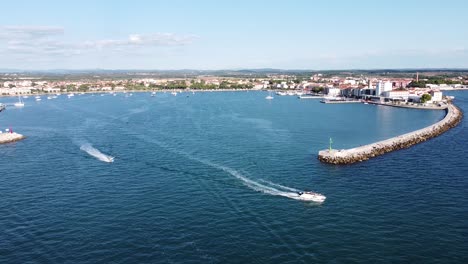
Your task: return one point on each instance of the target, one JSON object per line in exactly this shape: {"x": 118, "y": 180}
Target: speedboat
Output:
{"x": 311, "y": 196}
{"x": 109, "y": 159}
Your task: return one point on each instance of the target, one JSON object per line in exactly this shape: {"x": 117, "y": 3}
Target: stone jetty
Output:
{"x": 10, "y": 137}
{"x": 348, "y": 156}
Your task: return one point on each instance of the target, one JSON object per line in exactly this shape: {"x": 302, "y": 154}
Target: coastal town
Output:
{"x": 425, "y": 89}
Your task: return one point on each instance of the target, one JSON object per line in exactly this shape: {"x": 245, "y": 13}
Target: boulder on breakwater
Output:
{"x": 348, "y": 156}
{"x": 10, "y": 137}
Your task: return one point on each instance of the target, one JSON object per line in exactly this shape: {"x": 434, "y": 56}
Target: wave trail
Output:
{"x": 267, "y": 188}
{"x": 280, "y": 186}
{"x": 88, "y": 148}
{"x": 256, "y": 186}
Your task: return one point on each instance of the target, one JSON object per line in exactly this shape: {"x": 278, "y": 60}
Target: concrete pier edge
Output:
{"x": 10, "y": 137}
{"x": 348, "y": 156}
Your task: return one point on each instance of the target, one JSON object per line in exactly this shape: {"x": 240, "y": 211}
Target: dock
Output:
{"x": 310, "y": 97}
{"x": 348, "y": 156}
{"x": 325, "y": 101}
{"x": 10, "y": 137}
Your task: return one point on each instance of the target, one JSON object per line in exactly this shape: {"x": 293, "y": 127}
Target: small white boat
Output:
{"x": 25, "y": 97}
{"x": 19, "y": 103}
{"x": 70, "y": 95}
{"x": 38, "y": 99}
{"x": 269, "y": 97}
{"x": 311, "y": 196}
{"x": 109, "y": 159}
{"x": 153, "y": 94}
{"x": 174, "y": 93}
{"x": 49, "y": 97}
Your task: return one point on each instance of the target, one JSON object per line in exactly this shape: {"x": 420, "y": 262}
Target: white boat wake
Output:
{"x": 266, "y": 187}
{"x": 280, "y": 186}
{"x": 88, "y": 148}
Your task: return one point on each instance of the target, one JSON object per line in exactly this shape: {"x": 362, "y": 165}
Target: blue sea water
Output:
{"x": 207, "y": 178}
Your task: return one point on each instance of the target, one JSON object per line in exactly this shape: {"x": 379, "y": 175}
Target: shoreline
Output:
{"x": 349, "y": 156}
{"x": 132, "y": 91}
{"x": 10, "y": 137}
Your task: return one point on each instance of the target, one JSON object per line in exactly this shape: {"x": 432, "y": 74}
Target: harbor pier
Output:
{"x": 362, "y": 153}
{"x": 10, "y": 137}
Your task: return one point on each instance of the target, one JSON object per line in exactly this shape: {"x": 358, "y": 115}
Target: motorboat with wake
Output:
{"x": 109, "y": 159}
{"x": 311, "y": 196}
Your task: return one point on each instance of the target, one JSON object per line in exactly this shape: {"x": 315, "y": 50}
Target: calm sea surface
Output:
{"x": 210, "y": 178}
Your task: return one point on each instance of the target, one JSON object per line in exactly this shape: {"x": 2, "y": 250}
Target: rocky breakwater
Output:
{"x": 10, "y": 137}
{"x": 348, "y": 156}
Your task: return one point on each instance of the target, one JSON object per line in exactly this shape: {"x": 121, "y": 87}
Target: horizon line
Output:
{"x": 6, "y": 70}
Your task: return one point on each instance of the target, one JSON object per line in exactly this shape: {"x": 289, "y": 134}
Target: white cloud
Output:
{"x": 155, "y": 39}
{"x": 48, "y": 41}
{"x": 31, "y": 32}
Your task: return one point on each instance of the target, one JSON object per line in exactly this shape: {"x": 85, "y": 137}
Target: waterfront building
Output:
{"x": 333, "y": 91}
{"x": 383, "y": 87}
{"x": 396, "y": 94}
{"x": 51, "y": 90}
{"x": 436, "y": 96}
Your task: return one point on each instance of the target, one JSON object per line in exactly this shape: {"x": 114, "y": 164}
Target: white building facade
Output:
{"x": 333, "y": 91}
{"x": 382, "y": 87}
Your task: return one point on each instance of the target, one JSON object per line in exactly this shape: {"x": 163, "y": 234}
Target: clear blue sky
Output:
{"x": 233, "y": 34}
